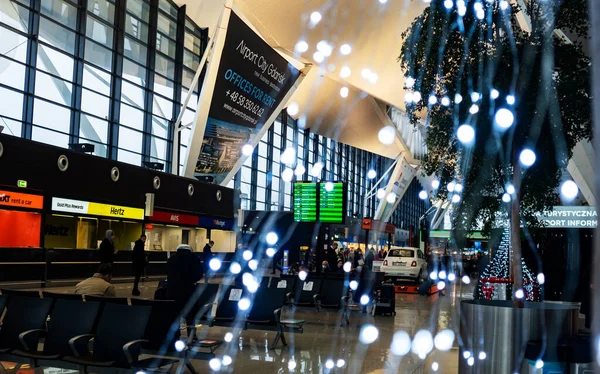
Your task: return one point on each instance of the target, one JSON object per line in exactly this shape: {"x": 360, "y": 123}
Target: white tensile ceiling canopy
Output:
{"x": 370, "y": 28}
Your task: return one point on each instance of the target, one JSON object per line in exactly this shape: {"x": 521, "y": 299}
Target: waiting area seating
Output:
{"x": 115, "y": 335}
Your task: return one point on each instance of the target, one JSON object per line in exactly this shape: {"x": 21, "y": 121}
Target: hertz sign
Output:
{"x": 96, "y": 209}
{"x": 21, "y": 200}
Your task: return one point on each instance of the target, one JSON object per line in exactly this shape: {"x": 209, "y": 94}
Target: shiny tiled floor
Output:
{"x": 324, "y": 339}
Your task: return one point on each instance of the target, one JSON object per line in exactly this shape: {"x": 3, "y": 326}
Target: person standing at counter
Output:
{"x": 139, "y": 263}
{"x": 107, "y": 248}
{"x": 207, "y": 251}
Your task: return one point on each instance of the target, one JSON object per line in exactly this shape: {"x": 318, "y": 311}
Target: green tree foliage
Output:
{"x": 448, "y": 54}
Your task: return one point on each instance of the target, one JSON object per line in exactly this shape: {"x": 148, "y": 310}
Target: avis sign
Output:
{"x": 571, "y": 217}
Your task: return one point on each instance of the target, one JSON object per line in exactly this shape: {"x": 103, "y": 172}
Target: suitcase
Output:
{"x": 386, "y": 301}
{"x": 424, "y": 287}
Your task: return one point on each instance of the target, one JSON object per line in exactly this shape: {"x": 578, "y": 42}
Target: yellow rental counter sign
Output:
{"x": 96, "y": 209}
{"x": 115, "y": 211}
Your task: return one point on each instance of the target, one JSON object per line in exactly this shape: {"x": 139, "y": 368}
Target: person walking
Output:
{"x": 139, "y": 263}
{"x": 107, "y": 248}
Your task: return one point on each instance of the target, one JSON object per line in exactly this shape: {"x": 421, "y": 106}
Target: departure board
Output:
{"x": 305, "y": 202}
{"x": 331, "y": 203}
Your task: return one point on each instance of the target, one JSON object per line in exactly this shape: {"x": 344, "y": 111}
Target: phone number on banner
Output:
{"x": 246, "y": 103}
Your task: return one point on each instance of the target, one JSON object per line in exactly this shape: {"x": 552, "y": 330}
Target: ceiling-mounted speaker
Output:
{"x": 115, "y": 174}
{"x": 63, "y": 163}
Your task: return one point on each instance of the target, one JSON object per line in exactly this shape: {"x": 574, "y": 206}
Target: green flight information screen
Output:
{"x": 331, "y": 202}
{"x": 305, "y": 202}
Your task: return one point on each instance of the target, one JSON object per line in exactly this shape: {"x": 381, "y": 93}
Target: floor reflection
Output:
{"x": 325, "y": 347}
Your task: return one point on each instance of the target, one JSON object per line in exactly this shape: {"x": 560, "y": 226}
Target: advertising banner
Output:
{"x": 251, "y": 82}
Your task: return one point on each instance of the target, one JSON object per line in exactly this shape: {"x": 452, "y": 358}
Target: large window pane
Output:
{"x": 54, "y": 62}
{"x": 94, "y": 129}
{"x": 12, "y": 73}
{"x": 100, "y": 32}
{"x": 160, "y": 127}
{"x": 134, "y": 72}
{"x": 193, "y": 43}
{"x": 260, "y": 195}
{"x": 132, "y": 95}
{"x": 158, "y": 148}
{"x": 246, "y": 174}
{"x": 167, "y": 27}
{"x": 166, "y": 7}
{"x": 103, "y": 9}
{"x": 53, "y": 89}
{"x": 11, "y": 104}
{"x": 132, "y": 117}
{"x": 162, "y": 107}
{"x": 14, "y": 15}
{"x": 165, "y": 66}
{"x": 49, "y": 137}
{"x": 193, "y": 102}
{"x": 165, "y": 45}
{"x": 98, "y": 55}
{"x": 94, "y": 103}
{"x": 60, "y": 11}
{"x": 185, "y": 136}
{"x": 56, "y": 35}
{"x": 129, "y": 157}
{"x": 11, "y": 127}
{"x": 191, "y": 60}
{"x": 139, "y": 9}
{"x": 96, "y": 79}
{"x": 13, "y": 45}
{"x": 130, "y": 140}
{"x": 136, "y": 28}
{"x": 163, "y": 86}
{"x": 135, "y": 51}
{"x": 51, "y": 116}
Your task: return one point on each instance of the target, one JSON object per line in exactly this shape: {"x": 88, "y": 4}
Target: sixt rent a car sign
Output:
{"x": 572, "y": 217}
{"x": 21, "y": 200}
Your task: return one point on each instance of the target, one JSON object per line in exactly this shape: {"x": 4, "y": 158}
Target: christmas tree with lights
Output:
{"x": 496, "y": 283}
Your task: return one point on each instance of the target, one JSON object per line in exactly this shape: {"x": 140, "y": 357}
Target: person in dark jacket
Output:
{"x": 369, "y": 258}
{"x": 184, "y": 270}
{"x": 107, "y": 248}
{"x": 207, "y": 251}
{"x": 139, "y": 263}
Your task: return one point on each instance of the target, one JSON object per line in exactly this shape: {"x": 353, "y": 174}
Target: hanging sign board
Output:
{"x": 174, "y": 218}
{"x": 250, "y": 85}
{"x": 96, "y": 209}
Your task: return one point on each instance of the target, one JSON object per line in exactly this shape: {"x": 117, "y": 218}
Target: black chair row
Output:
{"x": 119, "y": 333}
{"x": 263, "y": 313}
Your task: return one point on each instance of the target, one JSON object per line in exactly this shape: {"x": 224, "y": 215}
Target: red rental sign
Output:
{"x": 174, "y": 218}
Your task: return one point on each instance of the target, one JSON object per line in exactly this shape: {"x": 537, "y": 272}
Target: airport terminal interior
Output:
{"x": 299, "y": 186}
